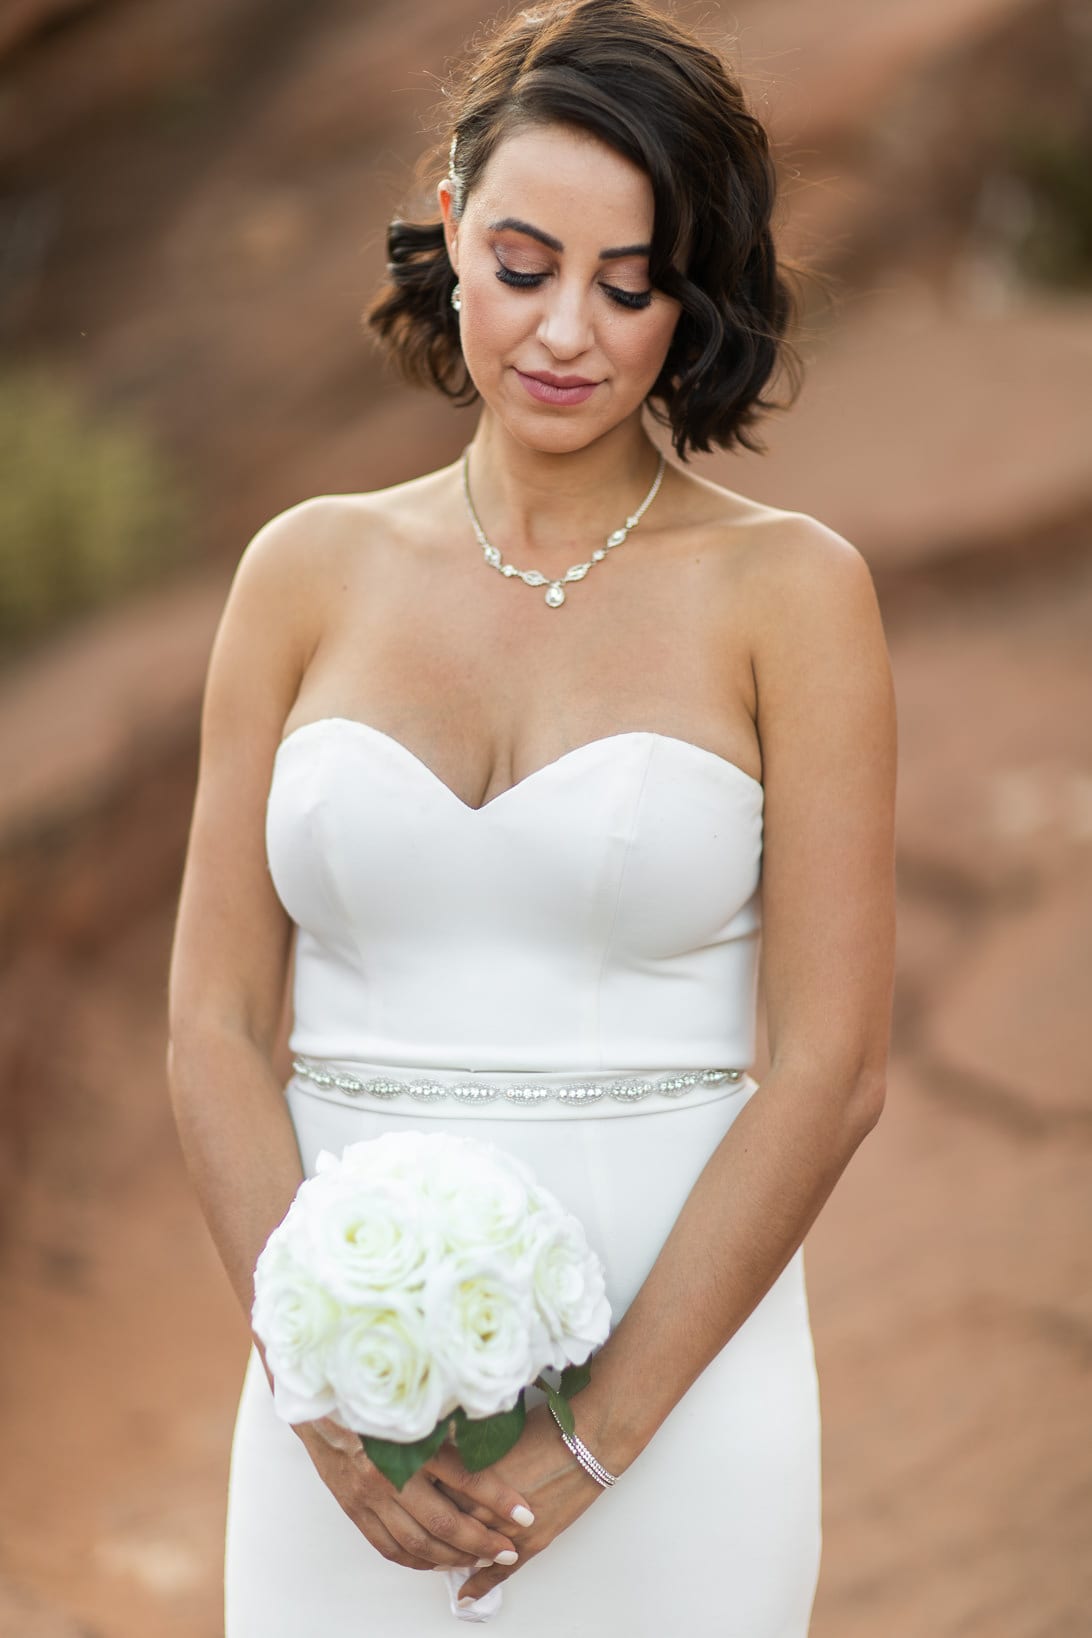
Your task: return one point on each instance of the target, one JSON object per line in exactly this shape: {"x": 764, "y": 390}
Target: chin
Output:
{"x": 554, "y": 434}
{"x": 556, "y": 431}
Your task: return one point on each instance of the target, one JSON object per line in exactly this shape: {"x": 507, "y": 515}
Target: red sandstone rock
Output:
{"x": 950, "y": 1272}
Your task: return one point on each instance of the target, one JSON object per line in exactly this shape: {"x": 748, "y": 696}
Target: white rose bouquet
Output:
{"x": 415, "y": 1288}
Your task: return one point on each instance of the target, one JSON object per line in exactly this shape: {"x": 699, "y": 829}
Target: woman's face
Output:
{"x": 561, "y": 331}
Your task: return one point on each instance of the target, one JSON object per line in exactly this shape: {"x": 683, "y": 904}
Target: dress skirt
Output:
{"x": 712, "y": 1532}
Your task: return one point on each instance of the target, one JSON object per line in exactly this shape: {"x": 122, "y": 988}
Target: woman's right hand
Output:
{"x": 418, "y": 1526}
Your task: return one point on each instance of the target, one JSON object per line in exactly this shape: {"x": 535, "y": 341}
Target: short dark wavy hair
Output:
{"x": 654, "y": 93}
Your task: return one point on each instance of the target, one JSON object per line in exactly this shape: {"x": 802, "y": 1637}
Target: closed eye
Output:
{"x": 628, "y": 298}
{"x": 531, "y": 281}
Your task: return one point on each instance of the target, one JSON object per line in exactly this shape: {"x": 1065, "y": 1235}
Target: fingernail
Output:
{"x": 523, "y": 1515}
{"x": 482, "y": 1562}
{"x": 509, "y": 1556}
{"x": 467, "y": 1600}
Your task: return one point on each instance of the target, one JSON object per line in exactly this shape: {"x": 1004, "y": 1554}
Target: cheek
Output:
{"x": 494, "y": 327}
{"x": 640, "y": 346}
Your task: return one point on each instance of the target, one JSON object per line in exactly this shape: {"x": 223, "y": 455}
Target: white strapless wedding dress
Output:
{"x": 595, "y": 924}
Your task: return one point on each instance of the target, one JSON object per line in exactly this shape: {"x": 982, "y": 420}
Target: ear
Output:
{"x": 445, "y": 195}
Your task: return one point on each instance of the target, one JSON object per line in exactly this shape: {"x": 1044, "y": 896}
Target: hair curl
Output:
{"x": 654, "y": 93}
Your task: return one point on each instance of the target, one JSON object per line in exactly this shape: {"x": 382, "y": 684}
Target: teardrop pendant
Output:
{"x": 555, "y": 594}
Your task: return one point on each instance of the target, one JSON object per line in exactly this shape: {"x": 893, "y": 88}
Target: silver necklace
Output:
{"x": 555, "y": 594}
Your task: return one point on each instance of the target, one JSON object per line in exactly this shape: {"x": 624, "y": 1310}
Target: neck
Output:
{"x": 532, "y": 502}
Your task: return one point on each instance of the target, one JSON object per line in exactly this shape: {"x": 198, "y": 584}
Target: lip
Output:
{"x": 557, "y": 389}
{"x": 561, "y": 380}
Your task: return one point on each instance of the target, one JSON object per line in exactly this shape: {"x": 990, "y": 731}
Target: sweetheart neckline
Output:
{"x": 536, "y": 773}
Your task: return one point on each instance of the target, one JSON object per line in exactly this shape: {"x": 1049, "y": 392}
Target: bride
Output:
{"x": 531, "y": 757}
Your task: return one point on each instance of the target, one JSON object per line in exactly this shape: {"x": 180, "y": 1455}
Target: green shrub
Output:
{"x": 89, "y": 508}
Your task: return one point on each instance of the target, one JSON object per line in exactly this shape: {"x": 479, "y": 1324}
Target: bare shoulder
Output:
{"x": 800, "y": 598}
{"x": 303, "y": 555}
{"x": 294, "y": 548}
{"x": 788, "y": 577}
{"x": 824, "y": 686}
{"x": 280, "y": 560}
{"x": 398, "y": 508}
{"x": 327, "y": 519}
{"x": 806, "y": 579}
{"x": 776, "y": 557}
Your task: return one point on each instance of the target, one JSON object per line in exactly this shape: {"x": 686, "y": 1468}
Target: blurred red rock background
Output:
{"x": 193, "y": 195}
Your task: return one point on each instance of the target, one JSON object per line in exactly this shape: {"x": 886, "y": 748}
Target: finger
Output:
{"x": 359, "y": 1488}
{"x": 374, "y": 1498}
{"x": 371, "y": 1525}
{"x": 475, "y": 1510}
{"x": 483, "y": 1581}
{"x": 483, "y": 1490}
{"x": 430, "y": 1526}
{"x": 479, "y": 1537}
{"x": 417, "y": 1544}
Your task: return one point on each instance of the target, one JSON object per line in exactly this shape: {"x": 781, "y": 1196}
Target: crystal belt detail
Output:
{"x": 625, "y": 1090}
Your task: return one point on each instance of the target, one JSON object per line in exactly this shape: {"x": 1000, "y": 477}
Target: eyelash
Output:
{"x": 633, "y": 299}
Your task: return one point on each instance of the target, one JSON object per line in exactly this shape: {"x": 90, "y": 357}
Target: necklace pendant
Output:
{"x": 555, "y": 594}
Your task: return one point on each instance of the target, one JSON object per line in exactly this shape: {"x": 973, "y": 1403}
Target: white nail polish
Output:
{"x": 483, "y": 1563}
{"x": 523, "y": 1515}
{"x": 509, "y": 1556}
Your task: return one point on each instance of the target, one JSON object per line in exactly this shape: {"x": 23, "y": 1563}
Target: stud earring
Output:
{"x": 457, "y": 299}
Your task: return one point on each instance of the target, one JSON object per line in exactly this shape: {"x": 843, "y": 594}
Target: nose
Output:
{"x": 565, "y": 327}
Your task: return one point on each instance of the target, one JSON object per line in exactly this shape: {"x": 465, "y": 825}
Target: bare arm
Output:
{"x": 232, "y": 938}
{"x": 229, "y": 963}
{"x": 825, "y": 715}
{"x": 826, "y": 721}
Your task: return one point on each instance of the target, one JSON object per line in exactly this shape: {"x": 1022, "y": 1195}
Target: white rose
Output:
{"x": 370, "y": 1238}
{"x": 569, "y": 1291}
{"x": 397, "y": 1154}
{"x": 385, "y": 1381}
{"x": 484, "y": 1329}
{"x": 296, "y": 1320}
{"x": 482, "y": 1205}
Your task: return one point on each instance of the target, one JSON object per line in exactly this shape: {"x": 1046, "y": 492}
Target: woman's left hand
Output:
{"x": 541, "y": 1467}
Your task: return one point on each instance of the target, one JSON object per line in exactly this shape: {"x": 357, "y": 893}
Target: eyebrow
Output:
{"x": 551, "y": 243}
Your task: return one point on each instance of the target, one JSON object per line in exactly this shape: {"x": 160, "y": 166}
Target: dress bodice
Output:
{"x": 604, "y": 912}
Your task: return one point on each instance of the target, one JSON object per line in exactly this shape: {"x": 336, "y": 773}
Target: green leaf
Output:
{"x": 399, "y": 1462}
{"x": 575, "y": 1377}
{"x": 484, "y": 1440}
{"x": 562, "y": 1408}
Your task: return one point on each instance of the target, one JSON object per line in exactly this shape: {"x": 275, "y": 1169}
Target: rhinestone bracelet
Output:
{"x": 583, "y": 1455}
{"x": 625, "y": 1091}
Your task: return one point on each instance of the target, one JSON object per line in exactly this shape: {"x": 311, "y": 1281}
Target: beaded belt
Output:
{"x": 626, "y": 1090}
